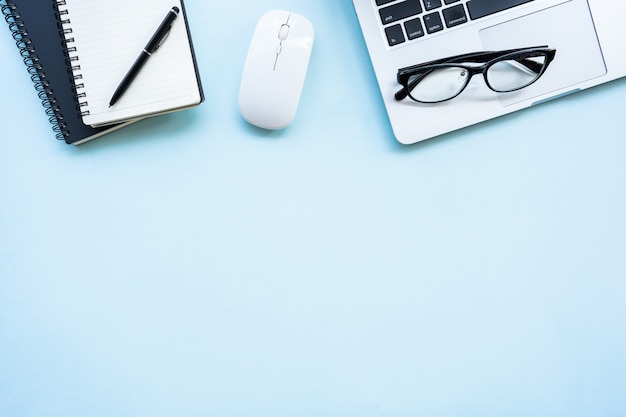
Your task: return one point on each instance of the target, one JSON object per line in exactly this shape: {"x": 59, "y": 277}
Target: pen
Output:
{"x": 154, "y": 43}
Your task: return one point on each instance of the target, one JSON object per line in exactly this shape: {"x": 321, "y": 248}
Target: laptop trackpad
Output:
{"x": 569, "y": 29}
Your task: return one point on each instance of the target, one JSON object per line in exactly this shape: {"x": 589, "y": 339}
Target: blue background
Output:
{"x": 192, "y": 265}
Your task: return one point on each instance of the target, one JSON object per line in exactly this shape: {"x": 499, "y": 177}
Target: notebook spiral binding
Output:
{"x": 65, "y": 31}
{"x": 35, "y": 69}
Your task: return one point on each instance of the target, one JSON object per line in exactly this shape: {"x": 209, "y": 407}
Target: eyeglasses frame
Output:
{"x": 488, "y": 58}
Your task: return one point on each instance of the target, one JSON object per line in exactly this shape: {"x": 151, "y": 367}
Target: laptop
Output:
{"x": 586, "y": 34}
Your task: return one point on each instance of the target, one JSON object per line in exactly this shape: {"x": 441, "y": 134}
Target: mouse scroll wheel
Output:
{"x": 283, "y": 32}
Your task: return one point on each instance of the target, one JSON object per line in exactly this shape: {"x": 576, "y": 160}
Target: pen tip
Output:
{"x": 176, "y": 9}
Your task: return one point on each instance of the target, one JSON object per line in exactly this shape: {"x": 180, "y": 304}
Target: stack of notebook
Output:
{"x": 78, "y": 51}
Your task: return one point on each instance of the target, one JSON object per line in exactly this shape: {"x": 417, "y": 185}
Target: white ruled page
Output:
{"x": 108, "y": 36}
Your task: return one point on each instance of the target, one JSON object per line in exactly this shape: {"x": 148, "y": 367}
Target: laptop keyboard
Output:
{"x": 409, "y": 20}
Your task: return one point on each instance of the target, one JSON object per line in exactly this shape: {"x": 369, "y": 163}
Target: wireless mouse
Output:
{"x": 275, "y": 69}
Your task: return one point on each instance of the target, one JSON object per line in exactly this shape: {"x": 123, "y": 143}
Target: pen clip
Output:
{"x": 167, "y": 34}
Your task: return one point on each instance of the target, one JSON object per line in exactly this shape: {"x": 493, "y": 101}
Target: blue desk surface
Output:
{"x": 190, "y": 265}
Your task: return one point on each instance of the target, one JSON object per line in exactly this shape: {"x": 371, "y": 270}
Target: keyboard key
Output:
{"x": 454, "y": 15}
{"x": 414, "y": 28}
{"x": 482, "y": 8}
{"x": 400, "y": 11}
{"x": 432, "y": 4}
{"x": 433, "y": 22}
{"x": 381, "y": 2}
{"x": 394, "y": 35}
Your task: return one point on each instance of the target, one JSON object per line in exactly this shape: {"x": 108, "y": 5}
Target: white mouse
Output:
{"x": 275, "y": 69}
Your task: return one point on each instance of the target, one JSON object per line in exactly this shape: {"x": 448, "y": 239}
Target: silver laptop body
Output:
{"x": 586, "y": 35}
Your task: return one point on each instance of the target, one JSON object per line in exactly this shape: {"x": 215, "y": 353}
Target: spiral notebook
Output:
{"x": 105, "y": 37}
{"x": 35, "y": 28}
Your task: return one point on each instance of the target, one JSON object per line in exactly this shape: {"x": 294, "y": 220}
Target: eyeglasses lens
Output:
{"x": 438, "y": 84}
{"x": 513, "y": 74}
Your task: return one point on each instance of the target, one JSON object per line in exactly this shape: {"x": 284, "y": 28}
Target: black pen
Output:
{"x": 154, "y": 43}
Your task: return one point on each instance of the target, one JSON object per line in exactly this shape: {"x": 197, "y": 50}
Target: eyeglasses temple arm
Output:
{"x": 531, "y": 65}
{"x": 402, "y": 93}
{"x": 483, "y": 56}
{"x": 472, "y": 57}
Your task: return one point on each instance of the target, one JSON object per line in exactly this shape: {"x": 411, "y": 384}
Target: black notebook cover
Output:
{"x": 36, "y": 27}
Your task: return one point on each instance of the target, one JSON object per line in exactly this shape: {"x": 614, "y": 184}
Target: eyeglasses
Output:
{"x": 503, "y": 71}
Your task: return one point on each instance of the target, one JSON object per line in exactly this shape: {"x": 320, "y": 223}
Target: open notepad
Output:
{"x": 105, "y": 37}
